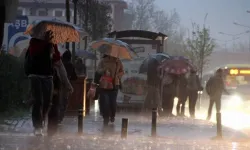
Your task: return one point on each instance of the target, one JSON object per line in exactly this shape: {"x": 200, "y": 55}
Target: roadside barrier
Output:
{"x": 124, "y": 130}
{"x": 80, "y": 121}
{"x": 154, "y": 122}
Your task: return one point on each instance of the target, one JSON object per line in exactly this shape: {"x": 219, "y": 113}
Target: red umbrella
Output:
{"x": 175, "y": 66}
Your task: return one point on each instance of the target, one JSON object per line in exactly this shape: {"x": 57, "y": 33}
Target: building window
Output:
{"x": 20, "y": 11}
{"x": 71, "y": 13}
{"x": 58, "y": 13}
{"x": 42, "y": 12}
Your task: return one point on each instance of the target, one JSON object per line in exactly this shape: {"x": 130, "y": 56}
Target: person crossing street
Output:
{"x": 214, "y": 88}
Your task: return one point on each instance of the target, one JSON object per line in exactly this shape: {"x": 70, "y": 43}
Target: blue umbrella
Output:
{"x": 159, "y": 57}
{"x": 86, "y": 54}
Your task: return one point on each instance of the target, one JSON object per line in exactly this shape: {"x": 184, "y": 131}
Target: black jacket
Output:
{"x": 38, "y": 60}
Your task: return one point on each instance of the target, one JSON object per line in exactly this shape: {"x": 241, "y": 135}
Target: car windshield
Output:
{"x": 237, "y": 81}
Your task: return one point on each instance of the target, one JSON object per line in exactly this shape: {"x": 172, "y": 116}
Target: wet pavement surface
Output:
{"x": 172, "y": 134}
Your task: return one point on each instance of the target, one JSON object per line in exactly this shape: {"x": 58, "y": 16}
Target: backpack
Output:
{"x": 210, "y": 86}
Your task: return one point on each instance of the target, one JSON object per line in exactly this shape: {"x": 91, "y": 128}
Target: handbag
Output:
{"x": 92, "y": 91}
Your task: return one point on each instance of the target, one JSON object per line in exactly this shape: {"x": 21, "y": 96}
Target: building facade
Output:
{"x": 56, "y": 8}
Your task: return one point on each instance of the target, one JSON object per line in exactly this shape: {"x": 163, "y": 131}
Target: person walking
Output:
{"x": 168, "y": 95}
{"x": 39, "y": 69}
{"x": 111, "y": 71}
{"x": 181, "y": 93}
{"x": 71, "y": 75}
{"x": 193, "y": 86}
{"x": 152, "y": 99}
{"x": 62, "y": 87}
{"x": 42, "y": 63}
{"x": 214, "y": 88}
{"x": 80, "y": 67}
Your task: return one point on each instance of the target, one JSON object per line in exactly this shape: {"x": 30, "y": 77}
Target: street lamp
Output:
{"x": 242, "y": 25}
{"x": 234, "y": 36}
{"x": 226, "y": 41}
{"x": 236, "y": 23}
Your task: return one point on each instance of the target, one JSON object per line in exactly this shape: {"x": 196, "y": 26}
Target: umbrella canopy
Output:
{"x": 112, "y": 47}
{"x": 22, "y": 48}
{"x": 86, "y": 54}
{"x": 62, "y": 31}
{"x": 159, "y": 57}
{"x": 175, "y": 65}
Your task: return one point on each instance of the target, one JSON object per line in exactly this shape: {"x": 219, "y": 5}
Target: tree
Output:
{"x": 176, "y": 45}
{"x": 97, "y": 20}
{"x": 142, "y": 10}
{"x": 166, "y": 22}
{"x": 200, "y": 46}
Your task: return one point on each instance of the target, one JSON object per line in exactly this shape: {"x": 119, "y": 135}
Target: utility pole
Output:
{"x": 75, "y": 21}
{"x": 86, "y": 21}
{"x": 67, "y": 16}
{"x": 234, "y": 36}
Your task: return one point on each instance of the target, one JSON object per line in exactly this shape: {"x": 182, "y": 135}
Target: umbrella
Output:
{"x": 62, "y": 31}
{"x": 18, "y": 49}
{"x": 86, "y": 54}
{"x": 112, "y": 47}
{"x": 159, "y": 57}
{"x": 22, "y": 48}
{"x": 175, "y": 65}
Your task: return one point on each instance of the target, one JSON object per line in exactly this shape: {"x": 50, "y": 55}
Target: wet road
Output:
{"x": 173, "y": 134}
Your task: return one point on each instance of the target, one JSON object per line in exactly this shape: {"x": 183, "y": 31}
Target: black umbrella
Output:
{"x": 160, "y": 57}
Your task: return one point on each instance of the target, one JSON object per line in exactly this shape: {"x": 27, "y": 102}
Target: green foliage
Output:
{"x": 96, "y": 17}
{"x": 13, "y": 83}
{"x": 200, "y": 46}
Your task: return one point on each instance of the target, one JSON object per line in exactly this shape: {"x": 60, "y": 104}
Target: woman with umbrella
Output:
{"x": 110, "y": 71}
{"x": 177, "y": 68}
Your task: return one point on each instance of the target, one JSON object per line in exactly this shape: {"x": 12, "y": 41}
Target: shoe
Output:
{"x": 38, "y": 132}
{"x": 105, "y": 121}
{"x": 112, "y": 119}
{"x": 59, "y": 123}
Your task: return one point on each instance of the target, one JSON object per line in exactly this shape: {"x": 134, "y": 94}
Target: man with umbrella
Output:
{"x": 150, "y": 66}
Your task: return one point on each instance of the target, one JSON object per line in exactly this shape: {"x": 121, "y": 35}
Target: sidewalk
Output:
{"x": 173, "y": 133}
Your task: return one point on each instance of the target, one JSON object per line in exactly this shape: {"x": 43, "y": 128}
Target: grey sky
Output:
{"x": 221, "y": 14}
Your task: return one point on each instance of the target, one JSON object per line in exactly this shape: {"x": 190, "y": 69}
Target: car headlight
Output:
{"x": 200, "y": 92}
{"x": 236, "y": 100}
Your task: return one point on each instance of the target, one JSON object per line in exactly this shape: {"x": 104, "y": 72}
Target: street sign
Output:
{"x": 16, "y": 29}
